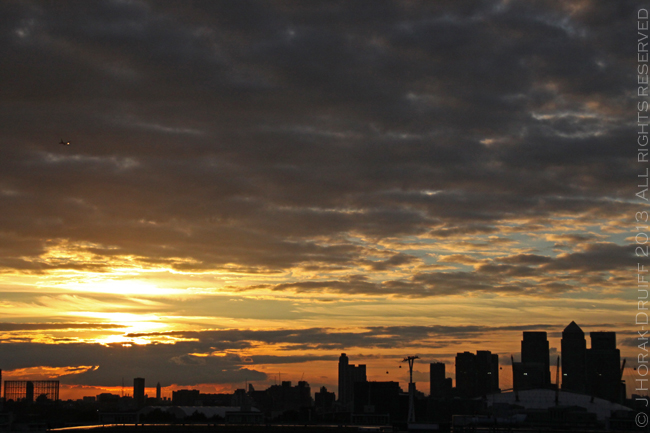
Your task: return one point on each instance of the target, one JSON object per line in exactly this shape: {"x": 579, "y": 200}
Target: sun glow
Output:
{"x": 134, "y": 324}
{"x": 121, "y": 287}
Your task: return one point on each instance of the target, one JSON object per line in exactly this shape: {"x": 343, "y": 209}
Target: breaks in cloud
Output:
{"x": 378, "y": 152}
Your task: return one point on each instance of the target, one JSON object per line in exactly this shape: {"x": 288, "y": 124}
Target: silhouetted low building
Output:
{"x": 377, "y": 398}
{"x": 28, "y": 390}
{"x": 282, "y": 398}
{"x": 324, "y": 400}
{"x": 185, "y": 397}
{"x": 216, "y": 399}
{"x": 541, "y": 400}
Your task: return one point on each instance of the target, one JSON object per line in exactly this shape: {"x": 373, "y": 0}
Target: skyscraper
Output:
{"x": 603, "y": 367}
{"x": 138, "y": 391}
{"x": 348, "y": 376}
{"x": 535, "y": 358}
{"x": 343, "y": 375}
{"x": 477, "y": 375}
{"x": 466, "y": 374}
{"x": 487, "y": 373}
{"x": 439, "y": 386}
{"x": 158, "y": 392}
{"x": 574, "y": 352}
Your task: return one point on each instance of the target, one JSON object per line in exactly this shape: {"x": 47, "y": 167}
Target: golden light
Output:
{"x": 120, "y": 287}
{"x": 135, "y": 324}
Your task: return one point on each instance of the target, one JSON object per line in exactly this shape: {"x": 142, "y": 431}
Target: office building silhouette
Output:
{"x": 603, "y": 364}
{"x": 377, "y": 398}
{"x": 324, "y": 400}
{"x": 186, "y": 397}
{"x": 574, "y": 354}
{"x": 477, "y": 374}
{"x": 534, "y": 370}
{"x": 439, "y": 385}
{"x": 487, "y": 367}
{"x": 283, "y": 397}
{"x": 348, "y": 376}
{"x": 138, "y": 391}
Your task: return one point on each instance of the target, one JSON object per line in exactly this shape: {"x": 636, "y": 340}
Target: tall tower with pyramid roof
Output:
{"x": 574, "y": 352}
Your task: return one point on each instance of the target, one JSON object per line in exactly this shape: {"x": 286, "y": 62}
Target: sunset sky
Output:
{"x": 254, "y": 187}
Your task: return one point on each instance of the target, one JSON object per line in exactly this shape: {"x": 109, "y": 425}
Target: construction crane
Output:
{"x": 410, "y": 360}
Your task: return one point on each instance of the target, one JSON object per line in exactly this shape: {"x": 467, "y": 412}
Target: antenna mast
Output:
{"x": 410, "y": 360}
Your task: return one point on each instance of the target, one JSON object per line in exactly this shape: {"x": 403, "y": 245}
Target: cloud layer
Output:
{"x": 290, "y": 155}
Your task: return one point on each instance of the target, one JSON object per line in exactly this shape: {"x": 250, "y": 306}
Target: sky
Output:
{"x": 254, "y": 187}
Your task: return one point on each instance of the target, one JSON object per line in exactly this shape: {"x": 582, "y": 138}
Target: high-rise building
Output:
{"x": 574, "y": 352}
{"x": 603, "y": 367}
{"x": 439, "y": 385}
{"x": 348, "y": 376}
{"x": 466, "y": 374}
{"x": 535, "y": 350}
{"x": 344, "y": 362}
{"x": 158, "y": 392}
{"x": 138, "y": 391}
{"x": 477, "y": 374}
{"x": 605, "y": 341}
{"x": 487, "y": 373}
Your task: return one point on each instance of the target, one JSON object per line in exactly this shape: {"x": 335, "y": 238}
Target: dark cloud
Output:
{"x": 205, "y": 135}
{"x": 56, "y": 326}
{"x": 545, "y": 276}
{"x": 596, "y": 257}
{"x": 377, "y": 148}
{"x": 169, "y": 363}
{"x": 232, "y": 355}
{"x": 525, "y": 259}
